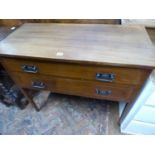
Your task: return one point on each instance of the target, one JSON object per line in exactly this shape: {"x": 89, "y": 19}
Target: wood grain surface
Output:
{"x": 79, "y": 71}
{"x": 96, "y": 43}
{"x": 75, "y": 87}
{"x": 18, "y": 22}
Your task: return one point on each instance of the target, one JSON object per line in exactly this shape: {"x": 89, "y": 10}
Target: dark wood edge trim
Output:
{"x": 79, "y": 62}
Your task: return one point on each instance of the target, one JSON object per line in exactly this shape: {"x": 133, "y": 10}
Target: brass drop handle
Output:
{"x": 38, "y": 84}
{"x": 105, "y": 77}
{"x": 103, "y": 92}
{"x": 29, "y": 68}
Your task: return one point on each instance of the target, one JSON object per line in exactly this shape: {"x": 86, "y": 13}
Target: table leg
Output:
{"x": 30, "y": 99}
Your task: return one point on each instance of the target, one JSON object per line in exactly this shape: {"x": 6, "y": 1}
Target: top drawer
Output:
{"x": 78, "y": 71}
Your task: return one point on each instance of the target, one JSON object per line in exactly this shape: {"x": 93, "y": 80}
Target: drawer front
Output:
{"x": 77, "y": 71}
{"x": 146, "y": 114}
{"x": 91, "y": 89}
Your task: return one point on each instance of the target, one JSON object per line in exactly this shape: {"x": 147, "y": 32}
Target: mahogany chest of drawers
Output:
{"x": 92, "y": 60}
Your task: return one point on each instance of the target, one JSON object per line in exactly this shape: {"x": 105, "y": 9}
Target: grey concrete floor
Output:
{"x": 63, "y": 115}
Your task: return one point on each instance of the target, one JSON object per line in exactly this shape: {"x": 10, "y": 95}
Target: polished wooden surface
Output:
{"x": 95, "y": 43}
{"x": 79, "y": 71}
{"x": 18, "y": 22}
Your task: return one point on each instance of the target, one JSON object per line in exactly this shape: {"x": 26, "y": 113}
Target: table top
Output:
{"x": 90, "y": 43}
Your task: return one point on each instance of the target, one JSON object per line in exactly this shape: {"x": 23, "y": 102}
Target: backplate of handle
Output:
{"x": 29, "y": 68}
{"x": 103, "y": 92}
{"x": 38, "y": 84}
{"x": 105, "y": 77}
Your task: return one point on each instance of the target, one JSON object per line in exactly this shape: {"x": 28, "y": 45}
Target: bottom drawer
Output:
{"x": 92, "y": 89}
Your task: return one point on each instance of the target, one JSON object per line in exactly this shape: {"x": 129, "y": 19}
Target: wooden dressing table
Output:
{"x": 100, "y": 61}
